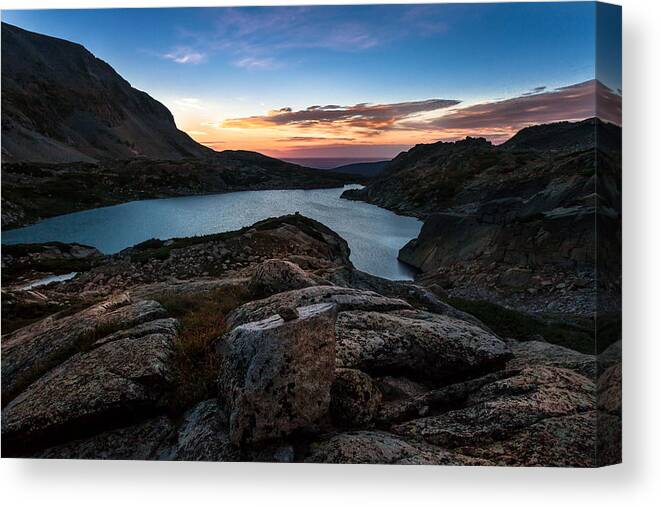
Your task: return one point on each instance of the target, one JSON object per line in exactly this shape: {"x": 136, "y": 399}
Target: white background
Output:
{"x": 636, "y": 482}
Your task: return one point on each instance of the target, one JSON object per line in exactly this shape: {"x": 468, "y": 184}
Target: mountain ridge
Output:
{"x": 60, "y": 103}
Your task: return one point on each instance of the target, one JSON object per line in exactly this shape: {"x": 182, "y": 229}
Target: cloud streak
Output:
{"x": 334, "y": 128}
{"x": 250, "y": 62}
{"x": 370, "y": 118}
{"x": 265, "y": 38}
{"x": 311, "y": 139}
{"x": 534, "y": 91}
{"x": 575, "y": 102}
{"x": 185, "y": 55}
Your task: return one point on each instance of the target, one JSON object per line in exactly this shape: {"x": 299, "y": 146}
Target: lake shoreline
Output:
{"x": 375, "y": 235}
{"x": 34, "y": 191}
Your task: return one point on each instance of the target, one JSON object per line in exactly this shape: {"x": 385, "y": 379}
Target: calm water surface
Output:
{"x": 375, "y": 235}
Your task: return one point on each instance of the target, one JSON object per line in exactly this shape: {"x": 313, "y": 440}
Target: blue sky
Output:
{"x": 252, "y": 77}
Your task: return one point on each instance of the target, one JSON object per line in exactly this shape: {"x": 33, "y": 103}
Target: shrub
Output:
{"x": 202, "y": 323}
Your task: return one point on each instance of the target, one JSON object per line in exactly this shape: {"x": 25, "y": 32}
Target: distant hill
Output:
{"x": 432, "y": 177}
{"x": 562, "y": 136}
{"x": 366, "y": 169}
{"x": 60, "y": 104}
{"x": 533, "y": 208}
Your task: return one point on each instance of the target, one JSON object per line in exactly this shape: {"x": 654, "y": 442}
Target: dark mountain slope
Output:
{"x": 429, "y": 177}
{"x": 60, "y": 103}
{"x": 31, "y": 191}
{"x": 366, "y": 169}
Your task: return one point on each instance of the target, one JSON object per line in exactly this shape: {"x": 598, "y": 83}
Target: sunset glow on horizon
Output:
{"x": 353, "y": 81}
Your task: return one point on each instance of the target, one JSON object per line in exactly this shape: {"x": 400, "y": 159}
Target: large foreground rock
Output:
{"x": 538, "y": 353}
{"x": 201, "y": 436}
{"x": 33, "y": 350}
{"x": 417, "y": 345}
{"x": 562, "y": 442}
{"x": 275, "y": 375}
{"x": 344, "y": 298}
{"x": 355, "y": 399}
{"x": 115, "y": 383}
{"x": 533, "y": 410}
{"x": 141, "y": 441}
{"x": 378, "y": 447}
{"x": 277, "y": 275}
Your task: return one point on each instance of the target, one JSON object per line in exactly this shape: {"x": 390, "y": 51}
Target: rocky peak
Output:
{"x": 60, "y": 103}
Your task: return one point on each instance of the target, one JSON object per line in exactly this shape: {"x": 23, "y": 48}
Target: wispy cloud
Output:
{"x": 312, "y": 139}
{"x": 334, "y": 128}
{"x": 534, "y": 91}
{"x": 261, "y": 38}
{"x": 425, "y": 20}
{"x": 189, "y": 103}
{"x": 251, "y": 62}
{"x": 255, "y": 30}
{"x": 185, "y": 55}
{"x": 371, "y": 119}
{"x": 499, "y": 120}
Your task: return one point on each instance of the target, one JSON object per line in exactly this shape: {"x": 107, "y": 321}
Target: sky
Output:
{"x": 356, "y": 81}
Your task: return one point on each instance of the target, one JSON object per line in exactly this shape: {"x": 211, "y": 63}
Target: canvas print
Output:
{"x": 375, "y": 234}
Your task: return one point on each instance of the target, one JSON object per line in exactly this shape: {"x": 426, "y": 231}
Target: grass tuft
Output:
{"x": 202, "y": 319}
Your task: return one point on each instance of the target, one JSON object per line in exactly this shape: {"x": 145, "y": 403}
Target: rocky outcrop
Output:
{"x": 276, "y": 375}
{"x": 344, "y": 299}
{"x": 374, "y": 338}
{"x": 506, "y": 407}
{"x": 552, "y": 442}
{"x": 355, "y": 399}
{"x": 413, "y": 293}
{"x": 440, "y": 349}
{"x": 141, "y": 441}
{"x": 201, "y": 436}
{"x": 611, "y": 356}
{"x": 33, "y": 350}
{"x": 404, "y": 400}
{"x": 450, "y": 238}
{"x": 566, "y": 135}
{"x": 609, "y": 416}
{"x": 22, "y": 264}
{"x": 275, "y": 275}
{"x": 372, "y": 447}
{"x": 538, "y": 353}
{"x": 350, "y": 369}
{"x": 115, "y": 382}
{"x": 226, "y": 261}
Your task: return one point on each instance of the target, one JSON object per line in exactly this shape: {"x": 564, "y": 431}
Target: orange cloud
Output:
{"x": 380, "y": 129}
{"x": 371, "y": 117}
{"x": 575, "y": 102}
